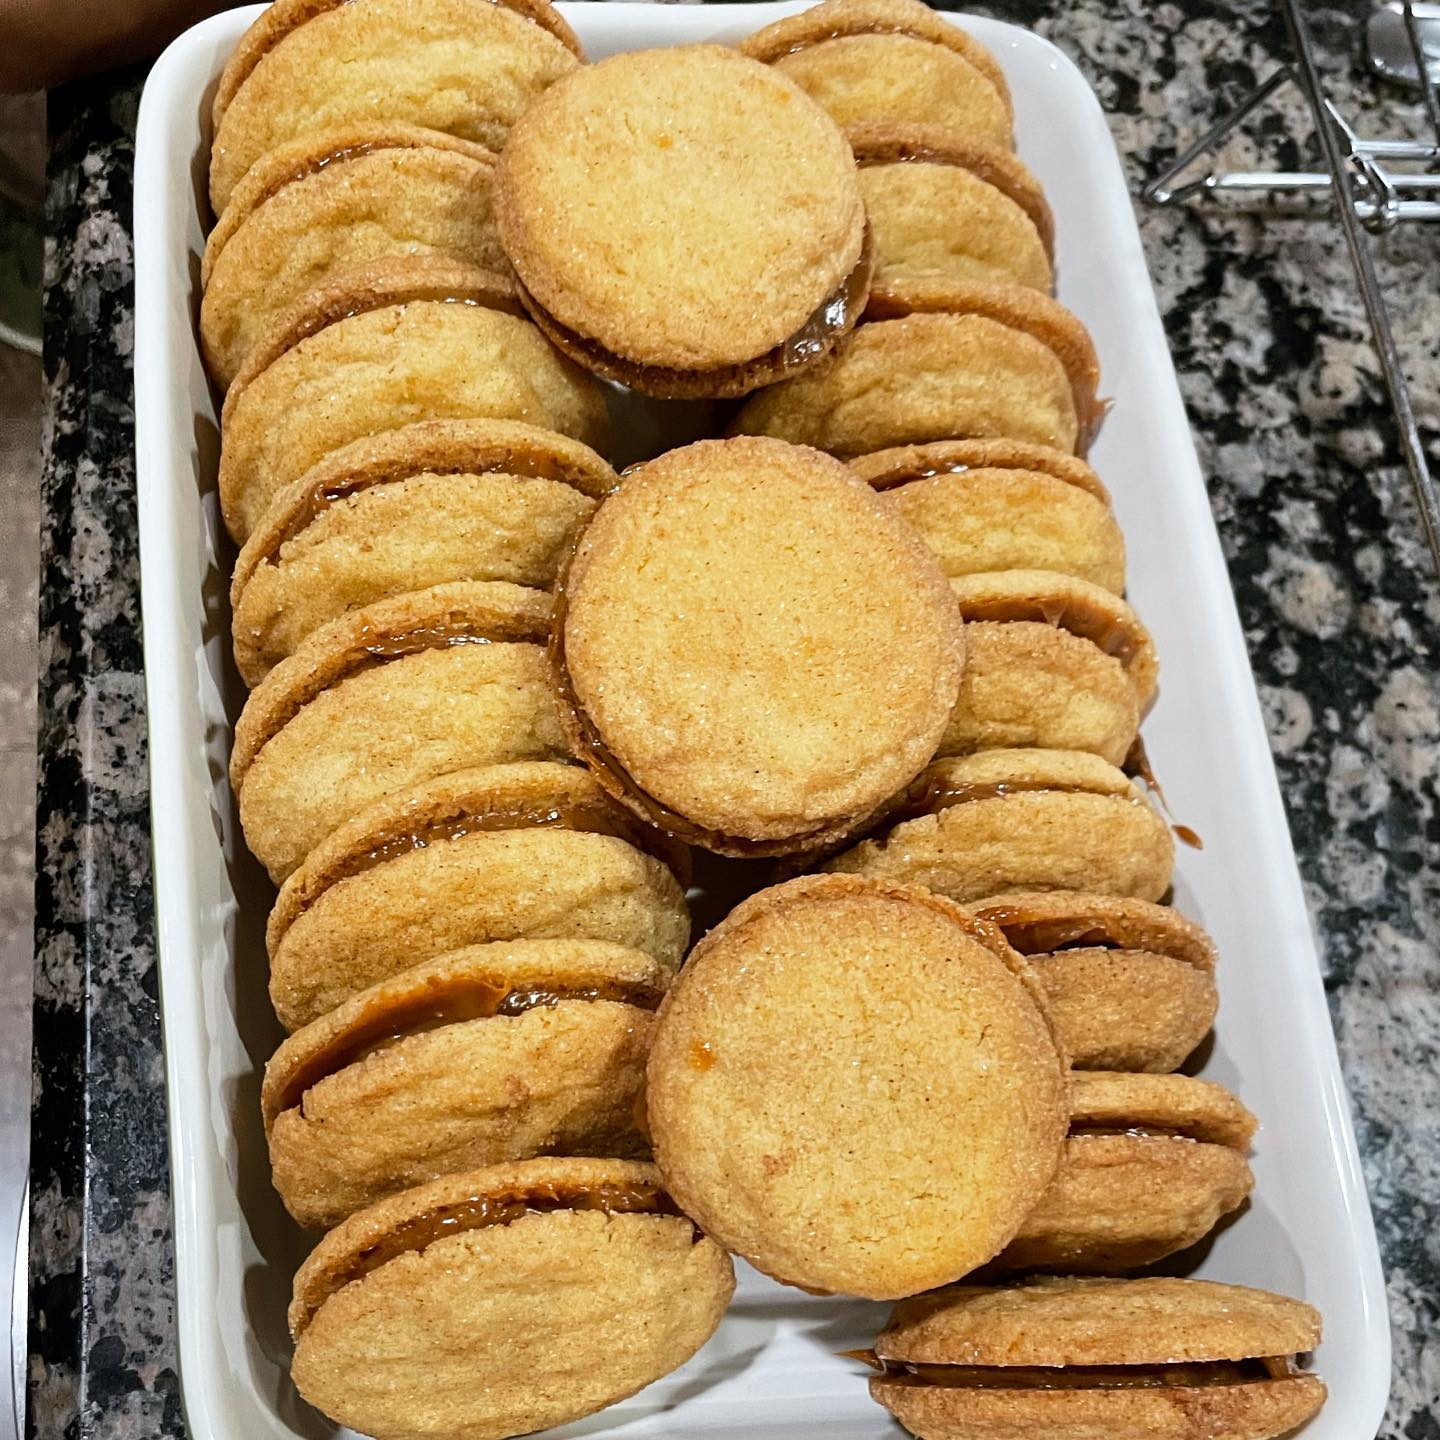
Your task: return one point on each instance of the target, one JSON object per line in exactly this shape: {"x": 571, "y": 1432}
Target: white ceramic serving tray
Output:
{"x": 772, "y": 1370}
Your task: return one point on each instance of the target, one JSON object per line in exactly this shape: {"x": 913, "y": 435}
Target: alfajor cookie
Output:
{"x": 893, "y": 60}
{"x": 942, "y": 360}
{"x": 1148, "y": 1359}
{"x": 853, "y": 1085}
{"x": 506, "y": 852}
{"x": 427, "y": 504}
{"x": 1152, "y": 1164}
{"x": 339, "y": 198}
{"x": 464, "y": 67}
{"x": 1131, "y": 985}
{"x": 463, "y": 665}
{"x": 386, "y": 345}
{"x": 944, "y": 204}
{"x": 984, "y": 505}
{"x": 1001, "y": 820}
{"x": 684, "y": 221}
{"x": 503, "y": 1301}
{"x": 755, "y": 650}
{"x": 1051, "y": 661}
{"x": 488, "y": 1054}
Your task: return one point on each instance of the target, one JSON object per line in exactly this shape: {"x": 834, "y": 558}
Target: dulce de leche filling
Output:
{"x": 1106, "y": 629}
{"x": 1135, "y": 1132}
{"x": 496, "y": 1207}
{"x": 1045, "y": 937}
{"x": 372, "y": 647}
{"x": 832, "y": 318}
{"x": 1174, "y": 1375}
{"x": 844, "y": 32}
{"x": 592, "y": 817}
{"x": 441, "y": 1003}
{"x": 930, "y": 795}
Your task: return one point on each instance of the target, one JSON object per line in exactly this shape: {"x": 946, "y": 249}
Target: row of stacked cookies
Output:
{"x": 388, "y": 507}
{"x": 1056, "y": 662}
{"x": 470, "y": 939}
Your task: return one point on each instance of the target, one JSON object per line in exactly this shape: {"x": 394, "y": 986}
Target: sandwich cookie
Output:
{"x": 1070, "y": 1359}
{"x": 503, "y": 1301}
{"x": 382, "y": 346}
{"x": 464, "y": 67}
{"x": 330, "y": 201}
{"x": 754, "y": 649}
{"x": 985, "y": 505}
{"x": 944, "y": 204}
{"x": 427, "y": 504}
{"x": 505, "y": 852}
{"x": 462, "y": 665}
{"x": 893, "y": 60}
{"x": 854, "y": 1086}
{"x": 1051, "y": 661}
{"x": 1001, "y": 820}
{"x": 1152, "y": 1164}
{"x": 943, "y": 360}
{"x": 493, "y": 1053}
{"x": 684, "y": 221}
{"x": 1131, "y": 985}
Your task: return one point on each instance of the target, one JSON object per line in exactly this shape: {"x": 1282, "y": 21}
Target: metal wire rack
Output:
{"x": 1369, "y": 191}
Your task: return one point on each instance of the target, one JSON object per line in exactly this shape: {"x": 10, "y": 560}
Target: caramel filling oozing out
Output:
{"x": 1181, "y": 1375}
{"x": 440, "y": 1004}
{"x": 1106, "y": 630}
{"x": 502, "y": 1207}
{"x": 319, "y": 499}
{"x": 929, "y": 797}
{"x": 908, "y": 474}
{"x": 1137, "y": 763}
{"x": 834, "y": 315}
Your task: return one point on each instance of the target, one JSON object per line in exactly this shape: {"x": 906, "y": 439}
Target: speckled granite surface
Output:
{"x": 1339, "y": 607}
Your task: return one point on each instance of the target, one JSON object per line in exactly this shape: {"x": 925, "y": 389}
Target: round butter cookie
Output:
{"x": 1131, "y": 985}
{"x": 756, "y": 651}
{"x": 1152, "y": 1164}
{"x": 1001, "y": 820}
{"x": 530, "y": 851}
{"x": 387, "y": 696}
{"x": 386, "y": 345}
{"x": 464, "y": 67}
{"x": 942, "y": 360}
{"x": 893, "y": 60}
{"x": 428, "y": 504}
{"x": 503, "y": 1301}
{"x": 331, "y": 201}
{"x": 1147, "y": 1359}
{"x": 488, "y": 1054}
{"x": 684, "y": 221}
{"x": 985, "y": 505}
{"x": 1051, "y": 661}
{"x": 943, "y": 204}
{"x": 853, "y": 1085}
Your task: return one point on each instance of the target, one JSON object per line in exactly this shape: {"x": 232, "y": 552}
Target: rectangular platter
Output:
{"x": 772, "y": 1369}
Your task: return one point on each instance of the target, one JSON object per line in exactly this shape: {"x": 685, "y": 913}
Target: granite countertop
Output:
{"x": 1323, "y": 542}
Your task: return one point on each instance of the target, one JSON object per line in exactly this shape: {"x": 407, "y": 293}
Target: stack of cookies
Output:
{"x": 868, "y": 655}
